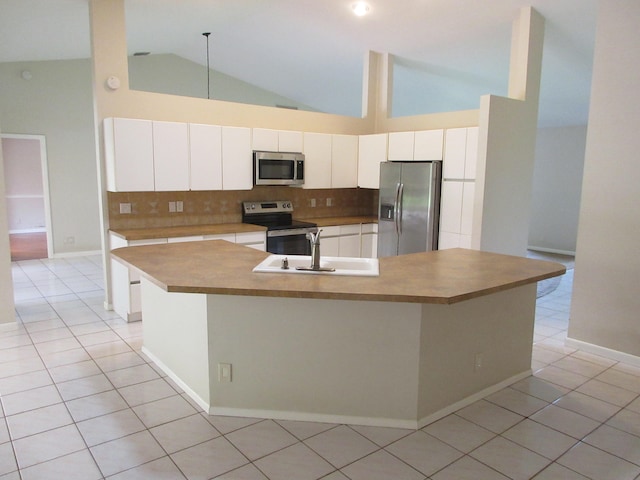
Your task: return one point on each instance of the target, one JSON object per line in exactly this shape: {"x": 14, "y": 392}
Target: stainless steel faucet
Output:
{"x": 314, "y": 238}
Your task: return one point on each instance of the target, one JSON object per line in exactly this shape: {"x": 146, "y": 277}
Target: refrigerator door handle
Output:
{"x": 400, "y": 200}
{"x": 396, "y": 208}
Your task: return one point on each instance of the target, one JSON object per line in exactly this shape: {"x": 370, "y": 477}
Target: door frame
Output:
{"x": 45, "y": 182}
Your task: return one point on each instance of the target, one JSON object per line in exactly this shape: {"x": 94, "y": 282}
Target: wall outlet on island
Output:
{"x": 477, "y": 365}
{"x": 224, "y": 372}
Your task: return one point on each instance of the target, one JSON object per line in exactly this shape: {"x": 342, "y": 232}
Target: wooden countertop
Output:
{"x": 442, "y": 277}
{"x": 186, "y": 231}
{"x": 330, "y": 221}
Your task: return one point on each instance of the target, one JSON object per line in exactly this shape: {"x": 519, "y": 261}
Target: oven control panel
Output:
{"x": 278, "y": 206}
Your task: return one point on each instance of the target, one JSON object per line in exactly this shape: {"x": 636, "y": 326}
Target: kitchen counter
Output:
{"x": 433, "y": 333}
{"x": 331, "y": 221}
{"x": 185, "y": 231}
{"x": 443, "y": 277}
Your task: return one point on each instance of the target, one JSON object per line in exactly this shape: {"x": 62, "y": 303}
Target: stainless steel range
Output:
{"x": 285, "y": 235}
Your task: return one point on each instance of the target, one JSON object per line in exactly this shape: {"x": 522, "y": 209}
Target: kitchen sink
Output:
{"x": 362, "y": 267}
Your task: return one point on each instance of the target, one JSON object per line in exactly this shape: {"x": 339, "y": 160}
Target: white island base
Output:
{"x": 341, "y": 361}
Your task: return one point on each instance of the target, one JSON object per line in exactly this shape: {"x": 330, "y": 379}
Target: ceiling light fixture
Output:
{"x": 360, "y": 8}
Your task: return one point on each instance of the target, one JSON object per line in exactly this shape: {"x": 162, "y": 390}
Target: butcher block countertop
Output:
{"x": 439, "y": 277}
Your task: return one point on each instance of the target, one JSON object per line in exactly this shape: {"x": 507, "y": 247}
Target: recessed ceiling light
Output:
{"x": 361, "y": 8}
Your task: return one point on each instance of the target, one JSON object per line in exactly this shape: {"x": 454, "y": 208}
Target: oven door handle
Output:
{"x": 294, "y": 231}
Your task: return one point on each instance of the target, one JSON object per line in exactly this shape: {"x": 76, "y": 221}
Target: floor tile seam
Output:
{"x": 504, "y": 473}
{"x": 613, "y": 384}
{"x": 333, "y": 426}
{"x": 603, "y": 451}
{"x": 516, "y": 412}
{"x": 586, "y": 442}
{"x": 591, "y": 377}
{"x": 59, "y": 456}
{"x": 384, "y": 449}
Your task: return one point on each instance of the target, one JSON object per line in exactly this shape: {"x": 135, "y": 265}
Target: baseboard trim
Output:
{"x": 193, "y": 395}
{"x": 603, "y": 351}
{"x": 448, "y": 410}
{"x": 551, "y": 250}
{"x": 77, "y": 254}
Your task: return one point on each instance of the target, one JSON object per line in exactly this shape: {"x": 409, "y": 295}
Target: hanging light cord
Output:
{"x": 206, "y": 34}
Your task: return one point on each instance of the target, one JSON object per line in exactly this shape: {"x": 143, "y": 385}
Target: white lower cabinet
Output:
{"x": 369, "y": 240}
{"x": 353, "y": 240}
{"x": 456, "y": 214}
{"x": 257, "y": 240}
{"x": 125, "y": 282}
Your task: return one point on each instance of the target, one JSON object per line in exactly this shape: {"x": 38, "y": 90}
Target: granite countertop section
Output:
{"x": 440, "y": 277}
{"x": 186, "y": 231}
{"x": 331, "y": 221}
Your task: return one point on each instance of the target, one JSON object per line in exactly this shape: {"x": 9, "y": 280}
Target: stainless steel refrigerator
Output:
{"x": 409, "y": 207}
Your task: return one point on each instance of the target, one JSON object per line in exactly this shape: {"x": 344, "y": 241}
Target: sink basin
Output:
{"x": 361, "y": 267}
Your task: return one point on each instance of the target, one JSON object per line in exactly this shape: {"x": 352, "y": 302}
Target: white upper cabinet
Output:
{"x": 237, "y": 167}
{"x": 205, "y": 148}
{"x": 401, "y": 146}
{"x": 344, "y": 161}
{"x": 461, "y": 153}
{"x": 419, "y": 146}
{"x": 276, "y": 140}
{"x": 372, "y": 150}
{"x": 128, "y": 145}
{"x": 428, "y": 145}
{"x": 264, "y": 139}
{"x": 290, "y": 141}
{"x": 171, "y": 156}
{"x": 317, "y": 160}
{"x": 455, "y": 152}
{"x": 471, "y": 157}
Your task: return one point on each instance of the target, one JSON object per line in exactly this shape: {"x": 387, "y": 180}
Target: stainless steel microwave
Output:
{"x": 278, "y": 168}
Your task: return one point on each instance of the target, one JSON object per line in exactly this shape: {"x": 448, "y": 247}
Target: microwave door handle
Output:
{"x": 400, "y": 209}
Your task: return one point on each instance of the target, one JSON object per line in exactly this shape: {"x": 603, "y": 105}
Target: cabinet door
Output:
{"x": 451, "y": 206}
{"x": 344, "y": 161}
{"x": 471, "y": 156}
{"x": 317, "y": 161}
{"x": 455, "y": 151}
{"x": 264, "y": 139}
{"x": 237, "y": 168}
{"x": 349, "y": 246}
{"x": 128, "y": 155}
{"x": 401, "y": 146}
{"x": 466, "y": 219}
{"x": 448, "y": 240}
{"x": 290, "y": 141}
{"x": 428, "y": 145}
{"x": 171, "y": 156}
{"x": 205, "y": 146}
{"x": 372, "y": 150}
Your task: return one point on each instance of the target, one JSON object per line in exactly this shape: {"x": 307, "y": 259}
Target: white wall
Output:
{"x": 7, "y": 312}
{"x": 57, "y": 103}
{"x": 606, "y": 302}
{"x": 557, "y": 183}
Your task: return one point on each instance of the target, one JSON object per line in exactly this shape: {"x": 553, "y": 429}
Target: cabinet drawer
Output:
{"x": 250, "y": 237}
{"x": 229, "y": 237}
{"x": 332, "y": 231}
{"x": 369, "y": 228}
{"x": 350, "y": 229}
{"x": 191, "y": 238}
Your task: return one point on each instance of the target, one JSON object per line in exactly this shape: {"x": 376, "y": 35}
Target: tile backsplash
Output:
{"x": 151, "y": 209}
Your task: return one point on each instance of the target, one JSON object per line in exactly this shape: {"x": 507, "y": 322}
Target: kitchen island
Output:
{"x": 433, "y": 332}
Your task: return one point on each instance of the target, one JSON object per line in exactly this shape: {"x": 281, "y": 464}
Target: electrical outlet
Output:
{"x": 172, "y": 207}
{"x": 69, "y": 240}
{"x": 179, "y": 206}
{"x": 125, "y": 208}
{"x": 224, "y": 372}
{"x": 329, "y": 202}
{"x": 313, "y": 203}
{"x": 477, "y": 365}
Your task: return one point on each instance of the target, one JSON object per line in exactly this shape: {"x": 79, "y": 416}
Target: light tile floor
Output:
{"x": 80, "y": 401}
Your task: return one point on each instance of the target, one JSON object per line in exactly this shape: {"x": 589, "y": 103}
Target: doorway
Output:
{"x": 27, "y": 196}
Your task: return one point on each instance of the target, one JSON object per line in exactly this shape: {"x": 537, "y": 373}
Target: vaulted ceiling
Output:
{"x": 447, "y": 52}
